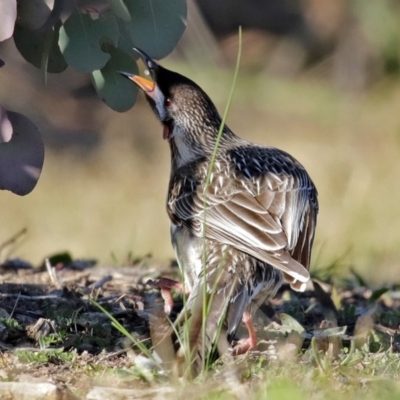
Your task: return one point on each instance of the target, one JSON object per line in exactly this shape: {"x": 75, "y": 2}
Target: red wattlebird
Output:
{"x": 247, "y": 231}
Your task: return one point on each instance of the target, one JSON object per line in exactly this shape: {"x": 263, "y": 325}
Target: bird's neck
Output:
{"x": 183, "y": 151}
{"x": 187, "y": 147}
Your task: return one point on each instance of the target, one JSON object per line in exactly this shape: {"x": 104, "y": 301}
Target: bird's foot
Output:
{"x": 243, "y": 346}
{"x": 166, "y": 285}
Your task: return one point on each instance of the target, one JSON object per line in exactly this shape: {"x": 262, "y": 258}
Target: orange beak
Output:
{"x": 145, "y": 84}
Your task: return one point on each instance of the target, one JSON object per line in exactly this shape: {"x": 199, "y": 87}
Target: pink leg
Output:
{"x": 166, "y": 285}
{"x": 244, "y": 345}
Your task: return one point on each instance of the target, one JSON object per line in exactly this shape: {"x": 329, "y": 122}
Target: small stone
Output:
{"x": 29, "y": 391}
{"x": 101, "y": 393}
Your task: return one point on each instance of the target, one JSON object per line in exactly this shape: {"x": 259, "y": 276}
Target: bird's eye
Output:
{"x": 168, "y": 102}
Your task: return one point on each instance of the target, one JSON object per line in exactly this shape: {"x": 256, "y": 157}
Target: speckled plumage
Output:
{"x": 251, "y": 227}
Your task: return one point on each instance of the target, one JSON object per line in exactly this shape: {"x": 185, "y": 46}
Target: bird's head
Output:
{"x": 187, "y": 113}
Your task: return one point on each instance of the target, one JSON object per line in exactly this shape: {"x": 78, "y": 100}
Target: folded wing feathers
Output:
{"x": 261, "y": 220}
{"x": 271, "y": 218}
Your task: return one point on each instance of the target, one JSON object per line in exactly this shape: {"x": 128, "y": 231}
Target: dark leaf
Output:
{"x": 32, "y": 46}
{"x": 32, "y": 14}
{"x": 21, "y": 153}
{"x": 112, "y": 88}
{"x": 156, "y": 25}
{"x": 120, "y": 9}
{"x": 125, "y": 42}
{"x": 81, "y": 38}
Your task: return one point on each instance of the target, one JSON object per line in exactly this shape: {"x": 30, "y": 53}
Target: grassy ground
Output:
{"x": 109, "y": 204}
{"x": 337, "y": 339}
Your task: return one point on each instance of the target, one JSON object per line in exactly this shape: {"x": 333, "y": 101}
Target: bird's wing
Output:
{"x": 271, "y": 217}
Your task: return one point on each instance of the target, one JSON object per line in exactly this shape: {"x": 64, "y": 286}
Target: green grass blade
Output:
{"x": 226, "y": 112}
{"x": 117, "y": 325}
{"x": 210, "y": 169}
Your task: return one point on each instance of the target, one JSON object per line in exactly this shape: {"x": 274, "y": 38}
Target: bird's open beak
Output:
{"x": 146, "y": 85}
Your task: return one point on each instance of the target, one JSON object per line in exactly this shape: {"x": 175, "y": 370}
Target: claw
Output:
{"x": 244, "y": 345}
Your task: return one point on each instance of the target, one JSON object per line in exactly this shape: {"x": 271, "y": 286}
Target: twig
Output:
{"x": 76, "y": 277}
{"x": 98, "y": 284}
{"x": 15, "y": 305}
{"x": 113, "y": 354}
{"x": 13, "y": 239}
{"x": 53, "y": 275}
{"x": 113, "y": 297}
{"x": 25, "y": 297}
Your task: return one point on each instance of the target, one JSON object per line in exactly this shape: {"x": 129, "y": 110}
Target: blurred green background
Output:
{"x": 325, "y": 89}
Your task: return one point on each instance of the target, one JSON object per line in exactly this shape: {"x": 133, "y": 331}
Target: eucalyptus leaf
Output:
{"x": 125, "y": 43}
{"x": 32, "y": 46}
{"x": 32, "y": 14}
{"x": 81, "y": 38}
{"x": 21, "y": 153}
{"x": 120, "y": 9}
{"x": 156, "y": 25}
{"x": 112, "y": 88}
{"x": 8, "y": 15}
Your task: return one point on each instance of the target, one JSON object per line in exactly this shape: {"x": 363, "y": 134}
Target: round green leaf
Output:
{"x": 120, "y": 9}
{"x": 156, "y": 25}
{"x": 32, "y": 46}
{"x": 113, "y": 88}
{"x": 8, "y": 14}
{"x": 32, "y": 14}
{"x": 21, "y": 153}
{"x": 125, "y": 42}
{"x": 81, "y": 37}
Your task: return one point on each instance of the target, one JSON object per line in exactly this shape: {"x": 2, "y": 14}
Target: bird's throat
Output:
{"x": 166, "y": 132}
